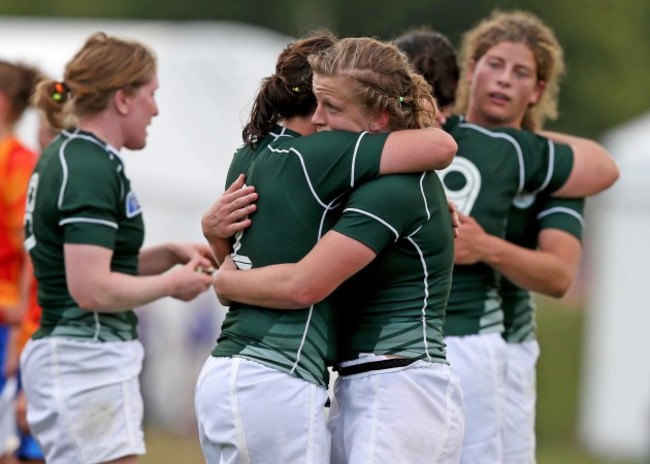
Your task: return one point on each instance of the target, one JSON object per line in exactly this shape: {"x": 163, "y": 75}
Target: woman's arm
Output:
{"x": 417, "y": 150}
{"x": 334, "y": 259}
{"x": 549, "y": 270}
{"x": 160, "y": 258}
{"x": 593, "y": 171}
{"x": 95, "y": 287}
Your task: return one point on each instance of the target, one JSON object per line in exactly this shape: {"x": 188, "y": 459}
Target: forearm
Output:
{"x": 334, "y": 259}
{"x": 594, "y": 169}
{"x": 220, "y": 248}
{"x": 115, "y": 292}
{"x": 156, "y": 259}
{"x": 278, "y": 286}
{"x": 535, "y": 270}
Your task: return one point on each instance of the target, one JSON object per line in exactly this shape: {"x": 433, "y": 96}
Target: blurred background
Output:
{"x": 594, "y": 373}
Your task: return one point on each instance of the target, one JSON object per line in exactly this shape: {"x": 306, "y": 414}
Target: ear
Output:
{"x": 537, "y": 94}
{"x": 379, "y": 122}
{"x": 121, "y": 101}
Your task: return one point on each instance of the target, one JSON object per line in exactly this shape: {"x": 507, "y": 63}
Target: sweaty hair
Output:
{"x": 18, "y": 82}
{"x": 522, "y": 28}
{"x": 103, "y": 65}
{"x": 382, "y": 79}
{"x": 288, "y": 92}
{"x": 433, "y": 56}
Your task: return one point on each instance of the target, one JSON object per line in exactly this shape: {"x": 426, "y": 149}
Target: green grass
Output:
{"x": 560, "y": 334}
{"x": 560, "y": 329}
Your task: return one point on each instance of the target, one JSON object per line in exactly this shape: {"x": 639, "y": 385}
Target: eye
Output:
{"x": 330, "y": 107}
{"x": 523, "y": 73}
{"x": 494, "y": 64}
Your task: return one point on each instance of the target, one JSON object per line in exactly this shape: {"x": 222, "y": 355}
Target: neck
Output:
{"x": 480, "y": 119}
{"x": 104, "y": 126}
{"x": 300, "y": 124}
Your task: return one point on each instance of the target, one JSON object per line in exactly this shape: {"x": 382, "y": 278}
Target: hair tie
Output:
{"x": 400, "y": 99}
{"x": 60, "y": 93}
{"x": 297, "y": 89}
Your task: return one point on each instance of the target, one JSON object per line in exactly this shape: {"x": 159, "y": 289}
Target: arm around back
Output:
{"x": 334, "y": 259}
{"x": 594, "y": 169}
{"x": 416, "y": 150}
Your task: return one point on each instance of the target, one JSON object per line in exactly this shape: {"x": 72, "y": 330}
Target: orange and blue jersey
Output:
{"x": 16, "y": 166}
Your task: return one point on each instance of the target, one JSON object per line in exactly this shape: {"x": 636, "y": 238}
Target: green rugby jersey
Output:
{"x": 79, "y": 194}
{"x": 396, "y": 305}
{"x": 300, "y": 182}
{"x": 528, "y": 216}
{"x": 491, "y": 167}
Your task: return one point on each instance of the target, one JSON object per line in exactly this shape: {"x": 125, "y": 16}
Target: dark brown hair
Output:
{"x": 433, "y": 56}
{"x": 287, "y": 92}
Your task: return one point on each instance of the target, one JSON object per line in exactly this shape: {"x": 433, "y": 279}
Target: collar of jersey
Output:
{"x": 110, "y": 149}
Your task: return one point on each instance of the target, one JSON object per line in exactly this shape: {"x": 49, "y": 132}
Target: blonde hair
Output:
{"x": 383, "y": 79}
{"x": 523, "y": 28}
{"x": 103, "y": 65}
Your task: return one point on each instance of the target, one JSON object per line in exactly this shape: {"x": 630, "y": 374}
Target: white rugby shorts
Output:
{"x": 83, "y": 399}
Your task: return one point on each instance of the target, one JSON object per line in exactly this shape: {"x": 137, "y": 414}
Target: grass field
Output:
{"x": 560, "y": 337}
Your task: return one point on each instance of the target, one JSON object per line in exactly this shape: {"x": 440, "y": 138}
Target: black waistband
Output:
{"x": 374, "y": 366}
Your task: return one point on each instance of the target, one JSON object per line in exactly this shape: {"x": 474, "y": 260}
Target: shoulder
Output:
{"x": 392, "y": 191}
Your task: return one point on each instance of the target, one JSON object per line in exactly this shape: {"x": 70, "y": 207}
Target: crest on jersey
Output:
{"x": 133, "y": 207}
{"x": 462, "y": 182}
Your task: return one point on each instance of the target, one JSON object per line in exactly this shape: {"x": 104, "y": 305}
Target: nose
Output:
{"x": 505, "y": 77}
{"x": 317, "y": 118}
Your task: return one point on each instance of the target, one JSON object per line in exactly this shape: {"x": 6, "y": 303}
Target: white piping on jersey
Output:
{"x": 551, "y": 160}
{"x": 281, "y": 134}
{"x": 304, "y": 168}
{"x": 311, "y": 308}
{"x": 76, "y": 135}
{"x": 377, "y": 218}
{"x": 98, "y": 326}
{"x": 562, "y": 209}
{"x": 426, "y": 296}
{"x": 302, "y": 340}
{"x": 91, "y": 220}
{"x": 354, "y": 158}
{"x": 424, "y": 197}
{"x": 510, "y": 139}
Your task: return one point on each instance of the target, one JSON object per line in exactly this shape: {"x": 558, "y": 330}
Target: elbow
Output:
{"x": 87, "y": 300}
{"x": 450, "y": 148}
{"x": 307, "y": 297}
{"x": 307, "y": 293}
{"x": 560, "y": 287}
{"x": 87, "y": 303}
{"x": 611, "y": 174}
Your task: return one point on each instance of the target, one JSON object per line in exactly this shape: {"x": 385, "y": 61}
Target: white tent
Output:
{"x": 615, "y": 413}
{"x": 209, "y": 73}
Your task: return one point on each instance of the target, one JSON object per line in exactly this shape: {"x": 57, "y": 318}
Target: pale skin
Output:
{"x": 504, "y": 83}
{"x": 414, "y": 150}
{"x": 90, "y": 280}
{"x": 335, "y": 257}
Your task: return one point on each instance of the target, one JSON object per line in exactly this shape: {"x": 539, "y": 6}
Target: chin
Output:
{"x": 135, "y": 145}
